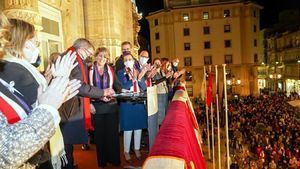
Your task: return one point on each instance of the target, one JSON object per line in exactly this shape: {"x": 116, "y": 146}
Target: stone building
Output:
{"x": 59, "y": 22}
{"x": 209, "y": 32}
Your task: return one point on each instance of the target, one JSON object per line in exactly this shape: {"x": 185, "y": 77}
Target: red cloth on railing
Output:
{"x": 177, "y": 138}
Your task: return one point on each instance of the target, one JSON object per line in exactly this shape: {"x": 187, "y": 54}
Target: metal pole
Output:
{"x": 206, "y": 110}
{"x": 212, "y": 130}
{"x": 218, "y": 118}
{"x": 226, "y": 116}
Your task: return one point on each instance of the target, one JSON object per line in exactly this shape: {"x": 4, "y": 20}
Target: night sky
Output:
{"x": 269, "y": 14}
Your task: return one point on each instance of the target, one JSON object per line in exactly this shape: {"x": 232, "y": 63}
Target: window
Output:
{"x": 188, "y": 61}
{"x": 207, "y": 45}
{"x": 254, "y": 13}
{"x": 226, "y": 13}
{"x": 157, "y": 49}
{"x": 227, "y": 43}
{"x": 226, "y": 28}
{"x": 205, "y": 15}
{"x": 255, "y": 58}
{"x": 185, "y": 17}
{"x": 207, "y": 60}
{"x": 186, "y": 32}
{"x": 188, "y": 76}
{"x": 228, "y": 59}
{"x": 189, "y": 89}
{"x": 255, "y": 43}
{"x": 254, "y": 28}
{"x": 155, "y": 22}
{"x": 187, "y": 46}
{"x": 156, "y": 36}
{"x": 206, "y": 30}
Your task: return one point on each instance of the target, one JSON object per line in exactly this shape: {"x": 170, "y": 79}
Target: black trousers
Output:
{"x": 107, "y": 138}
{"x": 69, "y": 153}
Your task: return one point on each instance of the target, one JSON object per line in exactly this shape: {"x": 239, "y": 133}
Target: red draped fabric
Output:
{"x": 177, "y": 138}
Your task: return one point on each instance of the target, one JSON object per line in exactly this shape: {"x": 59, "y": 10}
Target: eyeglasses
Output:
{"x": 87, "y": 52}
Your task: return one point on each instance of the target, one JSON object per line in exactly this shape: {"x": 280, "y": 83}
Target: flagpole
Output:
{"x": 226, "y": 115}
{"x": 212, "y": 130}
{"x": 206, "y": 110}
{"x": 218, "y": 118}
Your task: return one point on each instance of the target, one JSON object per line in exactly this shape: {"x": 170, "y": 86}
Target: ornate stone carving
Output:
{"x": 26, "y": 15}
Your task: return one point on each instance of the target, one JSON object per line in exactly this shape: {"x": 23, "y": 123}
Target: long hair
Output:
{"x": 4, "y": 34}
{"x": 20, "y": 32}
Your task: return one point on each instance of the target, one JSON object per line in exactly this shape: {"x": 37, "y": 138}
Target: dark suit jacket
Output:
{"x": 23, "y": 79}
{"x": 72, "y": 123}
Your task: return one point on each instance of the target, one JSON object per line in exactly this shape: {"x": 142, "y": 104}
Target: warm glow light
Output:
{"x": 238, "y": 81}
{"x": 263, "y": 63}
{"x": 276, "y": 63}
{"x": 298, "y": 61}
{"x": 279, "y": 76}
{"x": 271, "y": 76}
{"x": 229, "y": 82}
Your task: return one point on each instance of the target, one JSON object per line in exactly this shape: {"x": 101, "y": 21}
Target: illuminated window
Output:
{"x": 185, "y": 17}
{"x": 226, "y": 28}
{"x": 205, "y": 15}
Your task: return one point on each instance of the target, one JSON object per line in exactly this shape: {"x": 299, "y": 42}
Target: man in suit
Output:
{"x": 75, "y": 114}
{"x": 126, "y": 49}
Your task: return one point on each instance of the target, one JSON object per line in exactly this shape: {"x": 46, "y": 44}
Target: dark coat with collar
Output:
{"x": 71, "y": 112}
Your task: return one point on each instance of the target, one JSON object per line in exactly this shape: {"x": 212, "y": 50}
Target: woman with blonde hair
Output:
{"x": 23, "y": 129}
{"x": 19, "y": 72}
{"x": 106, "y": 113}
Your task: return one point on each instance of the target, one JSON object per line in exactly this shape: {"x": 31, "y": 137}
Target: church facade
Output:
{"x": 105, "y": 23}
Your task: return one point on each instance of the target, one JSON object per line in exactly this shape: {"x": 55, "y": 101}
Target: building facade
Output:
{"x": 209, "y": 32}
{"x": 60, "y": 22}
{"x": 283, "y": 53}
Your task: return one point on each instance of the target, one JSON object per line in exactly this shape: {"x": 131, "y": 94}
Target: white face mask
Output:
{"x": 175, "y": 64}
{"x": 129, "y": 64}
{"x": 143, "y": 60}
{"x": 31, "y": 52}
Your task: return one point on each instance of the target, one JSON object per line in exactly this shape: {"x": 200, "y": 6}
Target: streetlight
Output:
{"x": 233, "y": 82}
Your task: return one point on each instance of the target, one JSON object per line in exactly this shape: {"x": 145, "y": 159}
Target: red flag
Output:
{"x": 209, "y": 90}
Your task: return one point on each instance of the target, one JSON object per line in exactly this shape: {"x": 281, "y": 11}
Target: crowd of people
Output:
{"x": 43, "y": 115}
{"x": 264, "y": 133}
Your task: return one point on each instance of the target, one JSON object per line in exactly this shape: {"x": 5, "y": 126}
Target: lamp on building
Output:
{"x": 233, "y": 83}
{"x": 275, "y": 76}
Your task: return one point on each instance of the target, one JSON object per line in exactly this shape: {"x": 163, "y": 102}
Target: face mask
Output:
{"x": 143, "y": 60}
{"x": 31, "y": 55}
{"x": 129, "y": 64}
{"x": 175, "y": 64}
{"x": 37, "y": 62}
